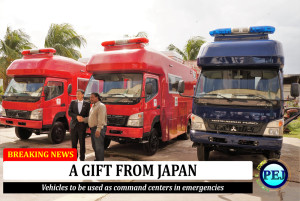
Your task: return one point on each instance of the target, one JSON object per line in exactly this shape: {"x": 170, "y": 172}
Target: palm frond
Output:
{"x": 64, "y": 39}
{"x": 172, "y": 47}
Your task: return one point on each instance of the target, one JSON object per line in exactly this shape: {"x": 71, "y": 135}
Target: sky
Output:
{"x": 165, "y": 21}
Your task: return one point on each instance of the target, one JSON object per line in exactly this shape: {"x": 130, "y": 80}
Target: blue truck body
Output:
{"x": 238, "y": 100}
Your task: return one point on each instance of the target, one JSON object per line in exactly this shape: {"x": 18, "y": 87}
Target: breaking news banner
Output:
{"x": 52, "y": 165}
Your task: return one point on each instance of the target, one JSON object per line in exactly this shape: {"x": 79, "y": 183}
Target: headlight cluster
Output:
{"x": 3, "y": 113}
{"x": 37, "y": 114}
{"x": 274, "y": 128}
{"x": 136, "y": 120}
{"x": 197, "y": 123}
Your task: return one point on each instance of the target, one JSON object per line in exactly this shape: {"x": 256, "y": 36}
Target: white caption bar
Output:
{"x": 131, "y": 170}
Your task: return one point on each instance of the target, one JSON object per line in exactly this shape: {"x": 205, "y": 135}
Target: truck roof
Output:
{"x": 244, "y": 53}
{"x": 132, "y": 60}
{"x": 242, "y": 47}
{"x": 45, "y": 65}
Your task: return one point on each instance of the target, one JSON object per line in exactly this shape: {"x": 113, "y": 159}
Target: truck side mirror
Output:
{"x": 46, "y": 91}
{"x": 148, "y": 88}
{"x": 181, "y": 86}
{"x": 69, "y": 89}
{"x": 295, "y": 90}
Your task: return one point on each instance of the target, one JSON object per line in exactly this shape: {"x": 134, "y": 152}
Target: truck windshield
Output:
{"x": 239, "y": 84}
{"x": 25, "y": 87}
{"x": 116, "y": 88}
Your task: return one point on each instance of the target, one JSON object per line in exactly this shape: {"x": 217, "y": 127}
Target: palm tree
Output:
{"x": 10, "y": 49}
{"x": 64, "y": 39}
{"x": 191, "y": 48}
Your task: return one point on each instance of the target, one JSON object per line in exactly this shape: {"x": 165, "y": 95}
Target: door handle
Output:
{"x": 63, "y": 105}
{"x": 158, "y": 107}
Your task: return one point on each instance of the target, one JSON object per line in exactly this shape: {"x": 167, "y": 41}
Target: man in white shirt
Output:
{"x": 78, "y": 109}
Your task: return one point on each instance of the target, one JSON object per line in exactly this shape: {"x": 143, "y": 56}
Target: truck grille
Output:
{"x": 234, "y": 127}
{"x": 18, "y": 114}
{"x": 117, "y": 120}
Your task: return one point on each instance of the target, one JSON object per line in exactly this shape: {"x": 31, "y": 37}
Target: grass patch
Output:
{"x": 294, "y": 127}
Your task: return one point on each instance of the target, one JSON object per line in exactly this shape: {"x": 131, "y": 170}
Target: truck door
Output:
{"x": 55, "y": 101}
{"x": 152, "y": 101}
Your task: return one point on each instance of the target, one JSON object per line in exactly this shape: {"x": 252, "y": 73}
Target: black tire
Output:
{"x": 202, "y": 153}
{"x": 151, "y": 146}
{"x": 273, "y": 155}
{"x": 106, "y": 142}
{"x": 57, "y": 133}
{"x": 186, "y": 135}
{"x": 23, "y": 133}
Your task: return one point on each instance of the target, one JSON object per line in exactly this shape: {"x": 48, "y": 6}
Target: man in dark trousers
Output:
{"x": 79, "y": 109}
{"x": 97, "y": 121}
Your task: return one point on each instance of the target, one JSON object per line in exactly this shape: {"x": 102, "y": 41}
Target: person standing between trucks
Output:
{"x": 97, "y": 121}
{"x": 79, "y": 109}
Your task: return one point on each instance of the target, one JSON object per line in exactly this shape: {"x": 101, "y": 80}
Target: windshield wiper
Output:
{"x": 257, "y": 96}
{"x": 230, "y": 100}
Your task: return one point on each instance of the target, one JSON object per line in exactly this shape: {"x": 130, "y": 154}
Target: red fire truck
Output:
{"x": 139, "y": 88}
{"x": 39, "y": 93}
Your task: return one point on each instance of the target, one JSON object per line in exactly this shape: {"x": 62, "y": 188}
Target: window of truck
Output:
{"x": 27, "y": 88}
{"x": 82, "y": 83}
{"x": 154, "y": 83}
{"x": 116, "y": 88}
{"x": 239, "y": 84}
{"x": 55, "y": 89}
{"x": 173, "y": 83}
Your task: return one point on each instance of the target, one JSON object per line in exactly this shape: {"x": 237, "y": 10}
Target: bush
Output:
{"x": 1, "y": 93}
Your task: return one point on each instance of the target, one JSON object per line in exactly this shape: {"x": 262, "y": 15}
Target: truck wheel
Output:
{"x": 186, "y": 135}
{"x": 23, "y": 133}
{"x": 106, "y": 142}
{"x": 57, "y": 133}
{"x": 273, "y": 155}
{"x": 202, "y": 153}
{"x": 152, "y": 145}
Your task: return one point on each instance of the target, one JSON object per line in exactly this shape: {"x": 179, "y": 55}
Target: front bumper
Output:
{"x": 124, "y": 132}
{"x": 21, "y": 123}
{"x": 237, "y": 141}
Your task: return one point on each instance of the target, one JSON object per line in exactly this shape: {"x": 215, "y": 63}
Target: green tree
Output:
{"x": 191, "y": 49}
{"x": 64, "y": 39}
{"x": 11, "y": 48}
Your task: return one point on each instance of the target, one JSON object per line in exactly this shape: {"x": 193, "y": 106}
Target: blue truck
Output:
{"x": 238, "y": 101}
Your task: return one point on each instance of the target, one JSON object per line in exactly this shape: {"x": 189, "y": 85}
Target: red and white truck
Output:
{"x": 38, "y": 95}
{"x": 139, "y": 88}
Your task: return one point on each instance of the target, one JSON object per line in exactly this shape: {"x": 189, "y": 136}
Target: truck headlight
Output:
{"x": 37, "y": 114}
{"x": 274, "y": 128}
{"x": 3, "y": 113}
{"x": 197, "y": 123}
{"x": 136, "y": 120}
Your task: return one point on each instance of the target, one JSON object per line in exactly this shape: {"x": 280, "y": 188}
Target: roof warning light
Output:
{"x": 247, "y": 30}
{"x": 38, "y": 51}
{"x": 125, "y": 42}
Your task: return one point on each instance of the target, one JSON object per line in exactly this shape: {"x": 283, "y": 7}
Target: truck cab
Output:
{"x": 37, "y": 98}
{"x": 238, "y": 101}
{"x": 139, "y": 88}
